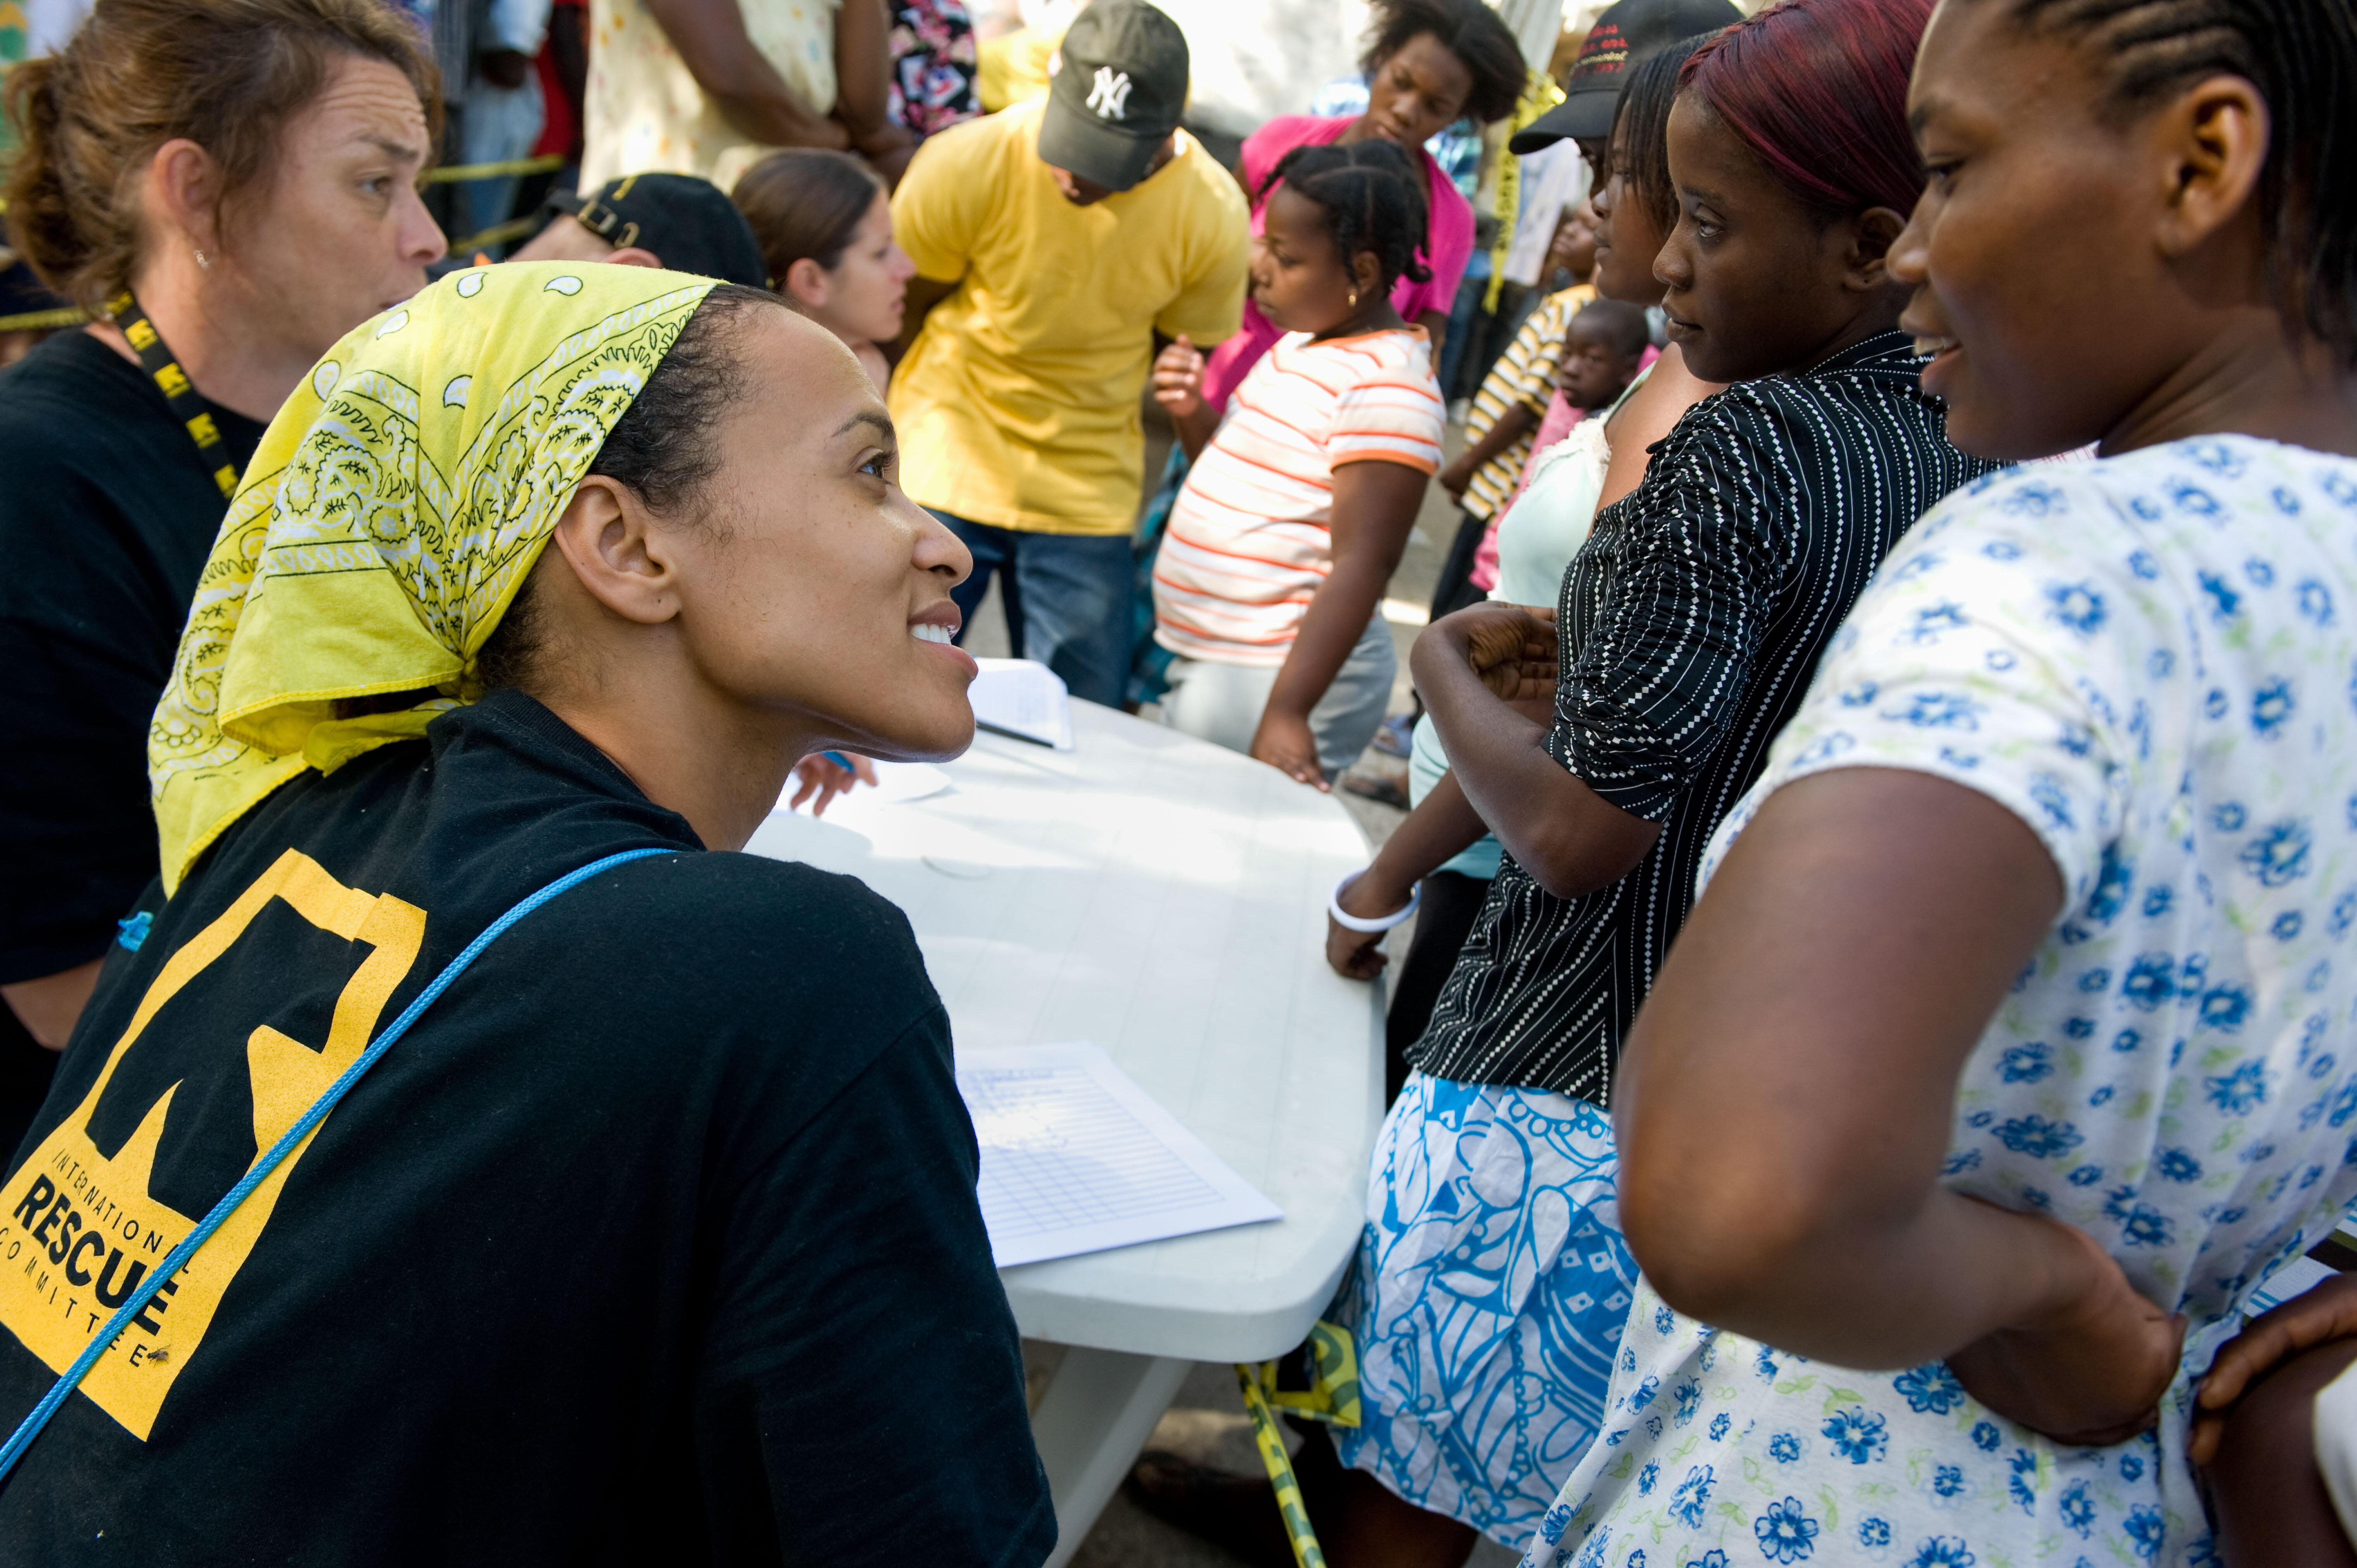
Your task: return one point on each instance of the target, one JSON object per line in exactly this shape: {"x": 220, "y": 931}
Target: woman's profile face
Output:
{"x": 1627, "y": 239}
{"x": 868, "y": 288}
{"x": 813, "y": 588}
{"x": 1416, "y": 93}
{"x": 334, "y": 232}
{"x": 2037, "y": 357}
{"x": 1754, "y": 282}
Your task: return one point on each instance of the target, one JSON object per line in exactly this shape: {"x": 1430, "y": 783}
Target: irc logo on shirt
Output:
{"x": 79, "y": 1228}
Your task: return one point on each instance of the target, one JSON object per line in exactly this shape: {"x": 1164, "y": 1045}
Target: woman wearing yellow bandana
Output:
{"x": 655, "y": 1239}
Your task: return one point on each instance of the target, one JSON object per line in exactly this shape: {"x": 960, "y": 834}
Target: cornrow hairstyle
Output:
{"x": 1817, "y": 90}
{"x": 1373, "y": 198}
{"x": 1640, "y": 127}
{"x": 2302, "y": 56}
{"x": 1483, "y": 44}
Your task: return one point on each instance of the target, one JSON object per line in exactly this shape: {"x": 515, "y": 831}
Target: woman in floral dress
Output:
{"x": 2010, "y": 1049}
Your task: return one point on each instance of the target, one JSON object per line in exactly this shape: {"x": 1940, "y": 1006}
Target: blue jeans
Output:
{"x": 1067, "y": 598}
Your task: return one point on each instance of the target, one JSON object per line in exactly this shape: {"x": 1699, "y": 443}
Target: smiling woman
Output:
{"x": 229, "y": 186}
{"x": 635, "y": 1214}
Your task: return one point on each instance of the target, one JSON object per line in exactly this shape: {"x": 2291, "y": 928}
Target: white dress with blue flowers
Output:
{"x": 2152, "y": 660}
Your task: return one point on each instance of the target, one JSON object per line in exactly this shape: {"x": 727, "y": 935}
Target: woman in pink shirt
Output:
{"x": 1428, "y": 64}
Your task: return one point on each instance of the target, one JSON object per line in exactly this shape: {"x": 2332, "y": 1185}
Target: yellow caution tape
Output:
{"x": 539, "y": 164}
{"x": 1332, "y": 1397}
{"x": 497, "y": 234}
{"x": 43, "y": 320}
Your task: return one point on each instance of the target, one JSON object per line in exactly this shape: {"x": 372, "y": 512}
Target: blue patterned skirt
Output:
{"x": 1488, "y": 1301}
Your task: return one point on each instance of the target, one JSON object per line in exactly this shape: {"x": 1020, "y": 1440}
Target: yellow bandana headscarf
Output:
{"x": 392, "y": 509}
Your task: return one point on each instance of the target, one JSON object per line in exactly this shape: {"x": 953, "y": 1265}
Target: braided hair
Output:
{"x": 2302, "y": 56}
{"x": 1373, "y": 201}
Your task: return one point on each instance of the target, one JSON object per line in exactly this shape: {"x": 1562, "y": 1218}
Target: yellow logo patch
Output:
{"x": 79, "y": 1230}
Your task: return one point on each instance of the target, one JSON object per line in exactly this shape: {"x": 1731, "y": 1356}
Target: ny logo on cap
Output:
{"x": 1110, "y": 96}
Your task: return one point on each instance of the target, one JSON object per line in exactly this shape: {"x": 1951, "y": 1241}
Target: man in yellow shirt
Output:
{"x": 1067, "y": 233}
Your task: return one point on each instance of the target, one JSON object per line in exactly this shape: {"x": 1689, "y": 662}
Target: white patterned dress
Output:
{"x": 2152, "y": 660}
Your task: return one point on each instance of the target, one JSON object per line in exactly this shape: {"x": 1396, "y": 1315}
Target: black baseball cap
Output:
{"x": 689, "y": 224}
{"x": 1119, "y": 89}
{"x": 1624, "y": 37}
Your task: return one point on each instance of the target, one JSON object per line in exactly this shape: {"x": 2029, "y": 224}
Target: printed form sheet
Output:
{"x": 1077, "y": 1158}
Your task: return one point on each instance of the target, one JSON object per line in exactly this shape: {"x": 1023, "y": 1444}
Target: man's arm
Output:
{"x": 863, "y": 78}
{"x": 712, "y": 43}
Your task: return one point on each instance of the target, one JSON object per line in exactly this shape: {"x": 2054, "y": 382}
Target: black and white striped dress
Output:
{"x": 1691, "y": 624}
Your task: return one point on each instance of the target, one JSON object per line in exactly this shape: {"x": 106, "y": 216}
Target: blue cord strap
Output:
{"x": 177, "y": 1259}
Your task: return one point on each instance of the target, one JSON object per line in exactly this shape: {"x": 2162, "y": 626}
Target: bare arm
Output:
{"x": 1787, "y": 1095}
{"x": 1513, "y": 426}
{"x": 1443, "y": 826}
{"x": 712, "y": 43}
{"x": 1178, "y": 390}
{"x": 1375, "y": 506}
{"x": 1436, "y": 327}
{"x": 50, "y": 1006}
{"x": 1569, "y": 838}
{"x": 863, "y": 76}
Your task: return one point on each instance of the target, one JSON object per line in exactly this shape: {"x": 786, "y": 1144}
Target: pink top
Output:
{"x": 1449, "y": 246}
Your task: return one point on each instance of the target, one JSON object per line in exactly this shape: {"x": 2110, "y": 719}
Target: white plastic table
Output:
{"x": 1164, "y": 898}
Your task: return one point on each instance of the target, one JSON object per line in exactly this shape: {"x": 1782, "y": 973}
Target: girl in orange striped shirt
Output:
{"x": 1303, "y": 489}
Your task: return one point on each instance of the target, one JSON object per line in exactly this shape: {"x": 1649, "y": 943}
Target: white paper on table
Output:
{"x": 1077, "y": 1158}
{"x": 1024, "y": 698}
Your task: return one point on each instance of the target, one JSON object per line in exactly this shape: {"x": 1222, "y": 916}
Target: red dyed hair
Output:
{"x": 1817, "y": 88}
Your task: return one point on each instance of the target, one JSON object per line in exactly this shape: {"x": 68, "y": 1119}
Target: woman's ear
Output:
{"x": 619, "y": 558}
{"x": 183, "y": 184}
{"x": 2214, "y": 145}
{"x": 805, "y": 284}
{"x": 1871, "y": 234}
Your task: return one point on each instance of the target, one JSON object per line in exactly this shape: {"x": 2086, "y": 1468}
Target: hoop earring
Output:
{"x": 204, "y": 263}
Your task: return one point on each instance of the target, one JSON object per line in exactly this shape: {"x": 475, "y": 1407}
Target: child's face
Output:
{"x": 1296, "y": 280}
{"x": 1575, "y": 243}
{"x": 1592, "y": 371}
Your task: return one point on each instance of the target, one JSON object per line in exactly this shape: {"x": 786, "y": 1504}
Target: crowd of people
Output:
{"x": 1875, "y": 1014}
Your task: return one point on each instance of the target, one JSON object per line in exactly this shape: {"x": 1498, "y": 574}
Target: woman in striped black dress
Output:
{"x": 1493, "y": 1283}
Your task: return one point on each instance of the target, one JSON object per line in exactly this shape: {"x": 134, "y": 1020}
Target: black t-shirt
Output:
{"x": 654, "y": 1240}
{"x": 107, "y": 516}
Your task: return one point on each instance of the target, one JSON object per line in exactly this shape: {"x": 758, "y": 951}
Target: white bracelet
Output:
{"x": 1349, "y": 923}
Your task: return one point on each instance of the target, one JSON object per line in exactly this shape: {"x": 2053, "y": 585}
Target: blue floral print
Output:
{"x": 1786, "y": 1533}
{"x": 1487, "y": 1298}
{"x": 2146, "y": 683}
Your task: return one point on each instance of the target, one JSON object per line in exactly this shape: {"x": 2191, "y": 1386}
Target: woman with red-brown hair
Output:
{"x": 227, "y": 187}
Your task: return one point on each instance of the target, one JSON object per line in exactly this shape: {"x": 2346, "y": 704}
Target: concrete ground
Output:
{"x": 1207, "y": 1422}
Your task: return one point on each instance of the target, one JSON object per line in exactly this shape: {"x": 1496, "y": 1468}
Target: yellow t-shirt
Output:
{"x": 1017, "y": 405}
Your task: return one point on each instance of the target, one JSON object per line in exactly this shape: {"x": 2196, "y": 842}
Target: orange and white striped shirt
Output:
{"x": 1248, "y": 542}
